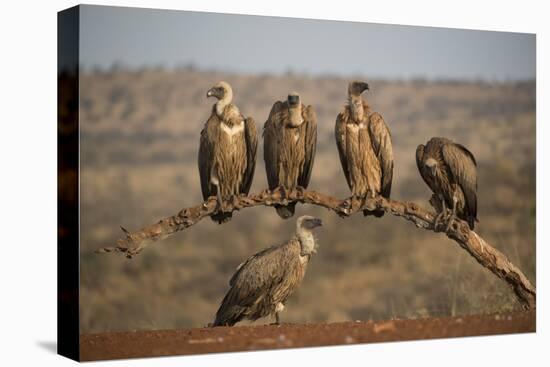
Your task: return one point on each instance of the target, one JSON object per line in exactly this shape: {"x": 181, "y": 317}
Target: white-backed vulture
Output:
{"x": 262, "y": 284}
{"x": 227, "y": 153}
{"x": 449, "y": 169}
{"x": 365, "y": 147}
{"x": 290, "y": 137}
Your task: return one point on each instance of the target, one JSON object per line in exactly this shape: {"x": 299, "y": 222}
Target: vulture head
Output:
{"x": 293, "y": 99}
{"x": 222, "y": 91}
{"x": 294, "y": 109}
{"x": 308, "y": 223}
{"x": 304, "y": 225}
{"x": 355, "y": 88}
{"x": 431, "y": 165}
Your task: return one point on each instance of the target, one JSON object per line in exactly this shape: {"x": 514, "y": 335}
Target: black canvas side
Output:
{"x": 68, "y": 25}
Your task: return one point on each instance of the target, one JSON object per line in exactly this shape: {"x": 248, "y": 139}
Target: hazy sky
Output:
{"x": 252, "y": 44}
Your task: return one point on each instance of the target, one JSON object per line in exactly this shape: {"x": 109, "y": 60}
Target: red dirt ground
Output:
{"x": 114, "y": 345}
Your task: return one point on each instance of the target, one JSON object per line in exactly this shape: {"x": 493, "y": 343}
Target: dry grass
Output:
{"x": 138, "y": 153}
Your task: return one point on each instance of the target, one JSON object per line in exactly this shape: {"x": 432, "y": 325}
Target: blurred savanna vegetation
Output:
{"x": 139, "y": 143}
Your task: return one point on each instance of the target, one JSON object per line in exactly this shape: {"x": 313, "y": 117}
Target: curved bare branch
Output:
{"x": 488, "y": 256}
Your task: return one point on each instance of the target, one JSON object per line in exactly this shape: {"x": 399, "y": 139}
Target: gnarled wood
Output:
{"x": 489, "y": 257}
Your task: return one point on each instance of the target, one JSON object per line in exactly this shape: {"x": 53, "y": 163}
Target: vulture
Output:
{"x": 290, "y": 137}
{"x": 449, "y": 169}
{"x": 262, "y": 284}
{"x": 227, "y": 152}
{"x": 365, "y": 147}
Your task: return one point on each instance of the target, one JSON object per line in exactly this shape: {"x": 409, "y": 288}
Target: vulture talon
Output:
{"x": 450, "y": 221}
{"x": 235, "y": 200}
{"x": 277, "y": 319}
{"x": 438, "y": 219}
{"x": 346, "y": 205}
{"x": 344, "y": 208}
{"x": 219, "y": 202}
{"x": 284, "y": 194}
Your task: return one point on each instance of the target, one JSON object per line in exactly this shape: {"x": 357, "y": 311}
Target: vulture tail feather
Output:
{"x": 286, "y": 212}
{"x": 377, "y": 213}
{"x": 471, "y": 222}
{"x": 221, "y": 218}
{"x": 229, "y": 317}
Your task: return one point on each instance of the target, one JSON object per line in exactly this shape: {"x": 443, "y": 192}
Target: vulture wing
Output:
{"x": 251, "y": 138}
{"x": 381, "y": 141}
{"x": 271, "y": 137}
{"x": 209, "y": 136}
{"x": 340, "y": 134}
{"x": 310, "y": 141}
{"x": 462, "y": 165}
{"x": 257, "y": 266}
{"x": 252, "y": 281}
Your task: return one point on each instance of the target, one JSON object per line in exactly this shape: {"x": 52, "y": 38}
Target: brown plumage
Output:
{"x": 262, "y": 284}
{"x": 449, "y": 169}
{"x": 290, "y": 138}
{"x": 365, "y": 147}
{"x": 227, "y": 152}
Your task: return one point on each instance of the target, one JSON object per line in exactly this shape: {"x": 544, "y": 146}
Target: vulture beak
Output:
{"x": 316, "y": 222}
{"x": 293, "y": 99}
{"x": 363, "y": 86}
{"x": 356, "y": 88}
{"x": 310, "y": 223}
{"x": 215, "y": 91}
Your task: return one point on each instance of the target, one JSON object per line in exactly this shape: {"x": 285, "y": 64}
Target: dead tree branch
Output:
{"x": 488, "y": 256}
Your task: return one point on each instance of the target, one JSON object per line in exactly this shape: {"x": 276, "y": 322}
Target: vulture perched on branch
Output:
{"x": 262, "y": 284}
{"x": 290, "y": 137}
{"x": 227, "y": 153}
{"x": 449, "y": 169}
{"x": 365, "y": 147}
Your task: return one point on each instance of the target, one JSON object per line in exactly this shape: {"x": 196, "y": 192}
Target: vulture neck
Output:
{"x": 307, "y": 241}
{"x": 356, "y": 108}
{"x": 222, "y": 103}
{"x": 295, "y": 115}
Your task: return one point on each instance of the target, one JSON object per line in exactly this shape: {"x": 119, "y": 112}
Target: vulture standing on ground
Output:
{"x": 290, "y": 137}
{"x": 227, "y": 153}
{"x": 365, "y": 147}
{"x": 449, "y": 169}
{"x": 262, "y": 284}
